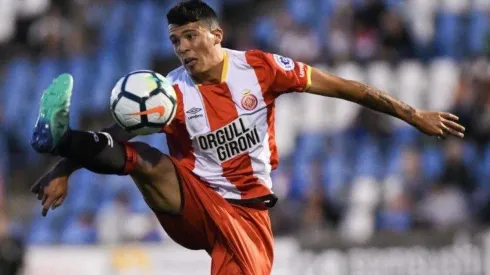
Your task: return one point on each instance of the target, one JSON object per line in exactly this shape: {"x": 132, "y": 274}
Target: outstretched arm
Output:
{"x": 431, "y": 123}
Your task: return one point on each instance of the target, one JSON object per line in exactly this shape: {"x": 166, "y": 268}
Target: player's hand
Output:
{"x": 51, "y": 189}
{"x": 438, "y": 124}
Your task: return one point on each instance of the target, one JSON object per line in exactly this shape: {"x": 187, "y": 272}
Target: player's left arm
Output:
{"x": 429, "y": 122}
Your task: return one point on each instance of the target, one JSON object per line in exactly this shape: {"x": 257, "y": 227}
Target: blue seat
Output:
{"x": 334, "y": 175}
{"x": 265, "y": 32}
{"x": 484, "y": 171}
{"x": 216, "y": 5}
{"x": 145, "y": 12}
{"x": 140, "y": 55}
{"x": 47, "y": 69}
{"x": 162, "y": 47}
{"x": 368, "y": 161}
{"x": 112, "y": 28}
{"x": 393, "y": 4}
{"x": 357, "y": 4}
{"x": 302, "y": 12}
{"x": 395, "y": 222}
{"x": 310, "y": 146}
{"x": 16, "y": 91}
{"x": 108, "y": 72}
{"x": 139, "y": 48}
{"x": 79, "y": 230}
{"x": 470, "y": 154}
{"x": 112, "y": 185}
{"x": 478, "y": 29}
{"x": 300, "y": 180}
{"x": 45, "y": 230}
{"x": 84, "y": 193}
{"x": 82, "y": 96}
{"x": 42, "y": 235}
{"x": 78, "y": 66}
{"x": 4, "y": 161}
{"x": 433, "y": 162}
{"x": 393, "y": 161}
{"x": 404, "y": 136}
{"x": 325, "y": 8}
{"x": 448, "y": 35}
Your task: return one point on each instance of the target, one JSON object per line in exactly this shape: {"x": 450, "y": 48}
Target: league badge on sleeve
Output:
{"x": 285, "y": 63}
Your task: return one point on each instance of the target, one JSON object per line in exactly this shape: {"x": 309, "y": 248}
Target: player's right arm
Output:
{"x": 55, "y": 181}
{"x": 432, "y": 123}
{"x": 280, "y": 74}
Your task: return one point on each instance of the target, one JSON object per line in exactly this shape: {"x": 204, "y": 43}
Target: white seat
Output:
{"x": 358, "y": 225}
{"x": 421, "y": 17}
{"x": 344, "y": 111}
{"x": 286, "y": 123}
{"x": 481, "y": 5}
{"x": 380, "y": 75}
{"x": 411, "y": 84}
{"x": 421, "y": 7}
{"x": 30, "y": 8}
{"x": 411, "y": 81}
{"x": 313, "y": 113}
{"x": 443, "y": 79}
{"x": 317, "y": 112}
{"x": 365, "y": 192}
{"x": 454, "y": 6}
{"x": 7, "y": 20}
{"x": 392, "y": 187}
{"x": 359, "y": 222}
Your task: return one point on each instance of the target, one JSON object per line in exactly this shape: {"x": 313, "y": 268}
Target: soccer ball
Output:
{"x": 143, "y": 102}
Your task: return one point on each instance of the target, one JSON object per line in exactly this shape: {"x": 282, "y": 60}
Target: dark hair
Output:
{"x": 192, "y": 11}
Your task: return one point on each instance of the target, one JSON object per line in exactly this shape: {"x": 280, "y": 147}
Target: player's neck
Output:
{"x": 215, "y": 73}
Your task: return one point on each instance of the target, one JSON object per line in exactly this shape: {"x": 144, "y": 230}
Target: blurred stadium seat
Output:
{"x": 411, "y": 84}
{"x": 443, "y": 77}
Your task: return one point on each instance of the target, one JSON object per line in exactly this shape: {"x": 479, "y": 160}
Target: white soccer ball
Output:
{"x": 143, "y": 102}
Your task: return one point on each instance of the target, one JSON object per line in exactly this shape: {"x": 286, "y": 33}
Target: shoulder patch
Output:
{"x": 285, "y": 63}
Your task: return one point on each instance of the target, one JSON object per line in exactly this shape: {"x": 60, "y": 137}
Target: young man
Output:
{"x": 214, "y": 189}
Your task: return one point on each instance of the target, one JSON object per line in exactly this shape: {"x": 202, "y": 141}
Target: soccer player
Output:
{"x": 214, "y": 190}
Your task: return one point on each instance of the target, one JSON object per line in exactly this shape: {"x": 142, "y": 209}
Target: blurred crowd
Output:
{"x": 344, "y": 168}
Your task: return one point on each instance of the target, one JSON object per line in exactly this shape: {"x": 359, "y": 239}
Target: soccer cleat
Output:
{"x": 53, "y": 120}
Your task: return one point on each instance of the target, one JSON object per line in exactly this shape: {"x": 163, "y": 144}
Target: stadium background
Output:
{"x": 360, "y": 193}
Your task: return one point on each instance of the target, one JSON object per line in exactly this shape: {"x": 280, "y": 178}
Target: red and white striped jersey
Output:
{"x": 224, "y": 132}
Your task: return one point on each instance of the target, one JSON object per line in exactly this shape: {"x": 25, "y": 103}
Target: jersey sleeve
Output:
{"x": 278, "y": 74}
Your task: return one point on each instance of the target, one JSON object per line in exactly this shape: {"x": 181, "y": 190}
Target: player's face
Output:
{"x": 194, "y": 45}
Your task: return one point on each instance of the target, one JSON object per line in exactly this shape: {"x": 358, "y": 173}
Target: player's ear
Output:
{"x": 218, "y": 35}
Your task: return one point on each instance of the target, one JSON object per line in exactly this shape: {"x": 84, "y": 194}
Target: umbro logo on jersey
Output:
{"x": 194, "y": 113}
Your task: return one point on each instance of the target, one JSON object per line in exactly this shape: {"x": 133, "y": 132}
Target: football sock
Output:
{"x": 97, "y": 152}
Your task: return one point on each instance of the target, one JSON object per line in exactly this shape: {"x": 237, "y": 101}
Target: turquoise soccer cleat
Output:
{"x": 53, "y": 120}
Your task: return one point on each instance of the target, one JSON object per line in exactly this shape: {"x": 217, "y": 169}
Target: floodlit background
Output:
{"x": 360, "y": 192}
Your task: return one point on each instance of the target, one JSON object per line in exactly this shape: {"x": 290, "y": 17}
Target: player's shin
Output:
{"x": 97, "y": 152}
